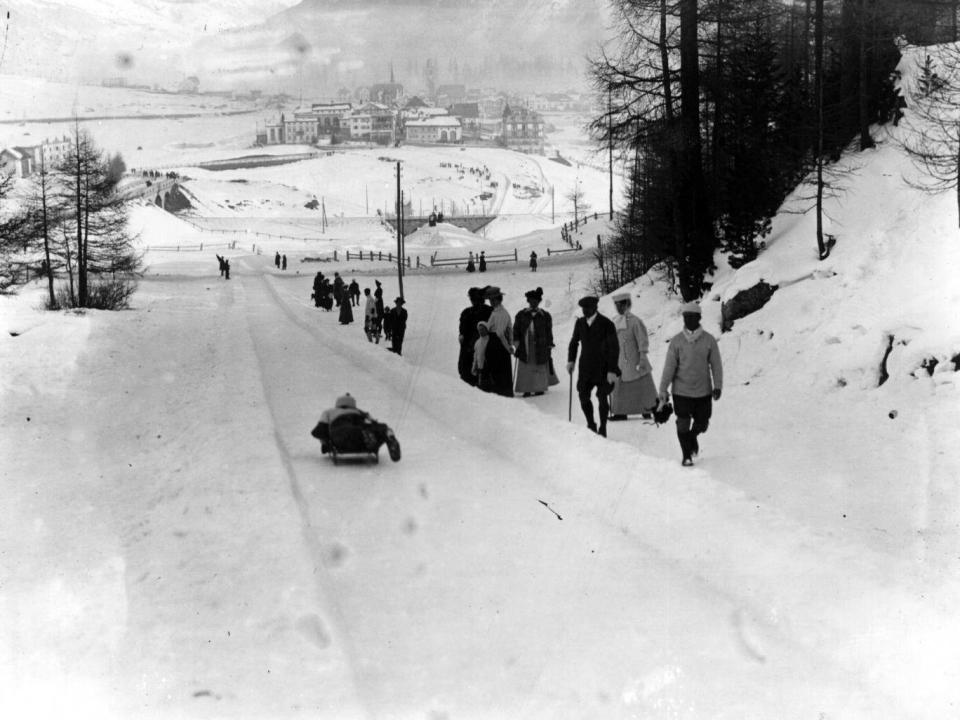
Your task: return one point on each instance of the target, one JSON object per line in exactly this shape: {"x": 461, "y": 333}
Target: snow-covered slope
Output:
{"x": 176, "y": 546}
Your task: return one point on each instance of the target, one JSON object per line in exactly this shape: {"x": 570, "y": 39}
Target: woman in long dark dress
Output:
{"x": 477, "y": 311}
{"x": 346, "y": 314}
{"x": 500, "y": 346}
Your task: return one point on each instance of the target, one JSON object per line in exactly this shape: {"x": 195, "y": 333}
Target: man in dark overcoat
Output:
{"x": 598, "y": 361}
{"x": 398, "y": 326}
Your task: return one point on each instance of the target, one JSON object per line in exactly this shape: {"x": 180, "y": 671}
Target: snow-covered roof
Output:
{"x": 440, "y": 121}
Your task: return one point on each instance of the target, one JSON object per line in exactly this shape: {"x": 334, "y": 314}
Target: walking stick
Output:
{"x": 570, "y": 398}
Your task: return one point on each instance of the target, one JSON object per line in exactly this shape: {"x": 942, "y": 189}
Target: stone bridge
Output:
{"x": 138, "y": 187}
{"x": 473, "y": 223}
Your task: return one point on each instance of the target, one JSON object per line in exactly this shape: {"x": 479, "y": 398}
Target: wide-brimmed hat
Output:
{"x": 492, "y": 291}
{"x": 400, "y": 301}
{"x": 589, "y": 301}
{"x": 346, "y": 401}
{"x": 690, "y": 308}
{"x": 621, "y": 297}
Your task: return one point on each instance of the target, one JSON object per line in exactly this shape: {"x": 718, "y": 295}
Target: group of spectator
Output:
{"x": 377, "y": 320}
{"x": 489, "y": 338}
{"x": 613, "y": 362}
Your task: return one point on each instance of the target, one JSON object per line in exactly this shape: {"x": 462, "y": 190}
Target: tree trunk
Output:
{"x": 863, "y": 79}
{"x": 818, "y": 92}
{"x": 46, "y": 228}
{"x": 665, "y": 64}
{"x": 697, "y": 233}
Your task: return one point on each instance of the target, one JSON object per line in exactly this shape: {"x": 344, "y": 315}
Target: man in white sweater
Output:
{"x": 695, "y": 372}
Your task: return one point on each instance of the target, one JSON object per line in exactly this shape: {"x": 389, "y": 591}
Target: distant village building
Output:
{"x": 300, "y": 129}
{"x": 386, "y": 93}
{"x": 273, "y": 133}
{"x": 331, "y": 117}
{"x": 553, "y": 102}
{"x": 439, "y": 129}
{"x": 451, "y": 94}
{"x": 469, "y": 116}
{"x": 15, "y": 162}
{"x": 374, "y": 122}
{"x": 23, "y": 161}
{"x": 522, "y": 129}
{"x": 53, "y": 152}
{"x": 415, "y": 103}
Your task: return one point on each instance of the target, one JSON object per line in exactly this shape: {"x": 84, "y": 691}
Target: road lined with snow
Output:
{"x": 414, "y": 554}
{"x": 220, "y": 564}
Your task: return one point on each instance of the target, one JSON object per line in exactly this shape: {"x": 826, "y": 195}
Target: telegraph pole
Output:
{"x": 399, "y": 232}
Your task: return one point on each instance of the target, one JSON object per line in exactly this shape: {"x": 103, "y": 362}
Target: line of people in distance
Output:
{"x": 377, "y": 320}
{"x": 613, "y": 361}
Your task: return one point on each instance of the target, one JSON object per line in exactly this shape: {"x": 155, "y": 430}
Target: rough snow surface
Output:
{"x": 174, "y": 545}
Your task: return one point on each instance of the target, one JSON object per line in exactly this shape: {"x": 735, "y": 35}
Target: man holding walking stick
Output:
{"x": 598, "y": 361}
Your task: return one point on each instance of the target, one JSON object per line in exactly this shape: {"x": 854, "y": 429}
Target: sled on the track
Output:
{"x": 356, "y": 436}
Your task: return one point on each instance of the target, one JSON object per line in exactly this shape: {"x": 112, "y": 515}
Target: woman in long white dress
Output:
{"x": 634, "y": 391}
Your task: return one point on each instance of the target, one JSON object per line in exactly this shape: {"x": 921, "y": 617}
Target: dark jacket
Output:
{"x": 542, "y": 337}
{"x": 468, "y": 324}
{"x": 601, "y": 350}
{"x": 398, "y": 320}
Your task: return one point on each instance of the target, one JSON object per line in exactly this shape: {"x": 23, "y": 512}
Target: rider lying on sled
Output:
{"x": 346, "y": 429}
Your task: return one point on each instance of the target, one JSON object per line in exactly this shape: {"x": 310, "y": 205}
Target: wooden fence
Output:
{"x": 371, "y": 256}
{"x": 193, "y": 248}
{"x": 506, "y": 257}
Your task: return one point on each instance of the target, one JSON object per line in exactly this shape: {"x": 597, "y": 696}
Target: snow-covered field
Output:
{"x": 174, "y": 545}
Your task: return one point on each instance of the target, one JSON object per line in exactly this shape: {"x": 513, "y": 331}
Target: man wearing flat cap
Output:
{"x": 598, "y": 361}
{"x": 694, "y": 369}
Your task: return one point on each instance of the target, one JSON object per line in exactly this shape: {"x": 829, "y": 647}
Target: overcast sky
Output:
{"x": 317, "y": 47}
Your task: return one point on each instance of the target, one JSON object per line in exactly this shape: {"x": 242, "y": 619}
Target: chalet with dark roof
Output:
{"x": 469, "y": 116}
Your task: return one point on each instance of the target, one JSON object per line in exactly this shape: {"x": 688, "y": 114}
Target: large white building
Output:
{"x": 302, "y": 128}
{"x": 374, "y": 122}
{"x": 24, "y": 161}
{"x": 330, "y": 116}
{"x": 440, "y": 129}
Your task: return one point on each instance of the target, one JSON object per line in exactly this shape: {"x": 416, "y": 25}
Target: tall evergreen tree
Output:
{"x": 95, "y": 217}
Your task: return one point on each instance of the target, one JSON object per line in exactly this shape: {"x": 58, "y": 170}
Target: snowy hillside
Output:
{"x": 176, "y": 546}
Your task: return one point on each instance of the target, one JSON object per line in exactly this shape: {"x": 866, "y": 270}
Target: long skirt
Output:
{"x": 465, "y": 364}
{"x": 346, "y": 314}
{"x": 634, "y": 397}
{"x": 532, "y": 378}
{"x": 497, "y": 368}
